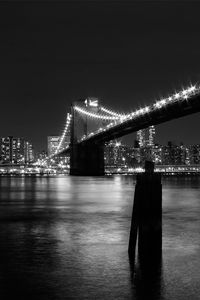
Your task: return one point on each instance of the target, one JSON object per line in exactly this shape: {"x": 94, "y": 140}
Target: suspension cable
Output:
{"x": 67, "y": 125}
{"x": 95, "y": 115}
{"x": 112, "y": 113}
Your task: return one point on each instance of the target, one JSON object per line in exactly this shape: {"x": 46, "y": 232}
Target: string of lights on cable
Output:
{"x": 120, "y": 118}
{"x": 67, "y": 126}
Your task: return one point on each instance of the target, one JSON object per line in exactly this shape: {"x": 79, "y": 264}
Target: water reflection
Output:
{"x": 67, "y": 238}
{"x": 146, "y": 279}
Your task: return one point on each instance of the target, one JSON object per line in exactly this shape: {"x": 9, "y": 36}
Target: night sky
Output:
{"x": 126, "y": 53}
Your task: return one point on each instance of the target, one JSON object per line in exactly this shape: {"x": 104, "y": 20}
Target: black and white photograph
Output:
{"x": 99, "y": 149}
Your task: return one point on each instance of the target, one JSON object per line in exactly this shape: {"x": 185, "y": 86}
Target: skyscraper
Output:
{"x": 15, "y": 150}
{"x": 28, "y": 152}
{"x": 6, "y": 149}
{"x": 141, "y": 137}
{"x": 146, "y": 137}
{"x": 151, "y": 136}
{"x": 52, "y": 144}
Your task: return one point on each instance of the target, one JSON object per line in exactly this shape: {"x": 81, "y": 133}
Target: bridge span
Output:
{"x": 87, "y": 152}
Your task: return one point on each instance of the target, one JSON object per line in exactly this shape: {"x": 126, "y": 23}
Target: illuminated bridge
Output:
{"x": 87, "y": 144}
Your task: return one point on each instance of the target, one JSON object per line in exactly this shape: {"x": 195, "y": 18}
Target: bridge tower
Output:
{"x": 86, "y": 159}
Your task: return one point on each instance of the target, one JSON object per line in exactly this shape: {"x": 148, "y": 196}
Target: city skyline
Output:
{"x": 17, "y": 151}
{"x": 126, "y": 54}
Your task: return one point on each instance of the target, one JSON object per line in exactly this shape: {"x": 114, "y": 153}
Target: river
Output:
{"x": 67, "y": 238}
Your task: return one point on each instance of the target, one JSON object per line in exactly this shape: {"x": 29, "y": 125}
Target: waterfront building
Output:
{"x": 146, "y": 141}
{"x": 41, "y": 155}
{"x": 112, "y": 154}
{"x": 15, "y": 150}
{"x": 175, "y": 155}
{"x": 28, "y": 152}
{"x": 6, "y": 149}
{"x": 52, "y": 144}
{"x": 193, "y": 154}
{"x": 18, "y": 150}
{"x": 121, "y": 156}
{"x": 117, "y": 155}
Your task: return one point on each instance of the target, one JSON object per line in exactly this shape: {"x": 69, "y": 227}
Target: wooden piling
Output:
{"x": 146, "y": 223}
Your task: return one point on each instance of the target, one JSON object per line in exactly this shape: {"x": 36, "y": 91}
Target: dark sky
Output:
{"x": 126, "y": 53}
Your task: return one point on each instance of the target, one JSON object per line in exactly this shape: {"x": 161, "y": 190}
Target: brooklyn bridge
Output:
{"x": 89, "y": 125}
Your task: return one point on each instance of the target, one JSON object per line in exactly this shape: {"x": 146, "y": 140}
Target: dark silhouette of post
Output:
{"x": 146, "y": 223}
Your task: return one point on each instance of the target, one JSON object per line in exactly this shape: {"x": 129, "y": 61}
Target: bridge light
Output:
{"x": 120, "y": 118}
{"x": 141, "y": 111}
{"x": 94, "y": 115}
{"x": 163, "y": 102}
{"x": 68, "y": 120}
{"x": 177, "y": 95}
{"x": 157, "y": 104}
{"x": 112, "y": 113}
{"x": 192, "y": 88}
{"x": 184, "y": 92}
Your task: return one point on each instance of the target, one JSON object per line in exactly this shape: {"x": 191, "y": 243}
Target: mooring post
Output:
{"x": 146, "y": 223}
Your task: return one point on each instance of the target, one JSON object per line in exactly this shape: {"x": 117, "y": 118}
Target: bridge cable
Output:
{"x": 67, "y": 126}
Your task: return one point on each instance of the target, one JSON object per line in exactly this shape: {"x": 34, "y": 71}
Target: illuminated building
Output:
{"x": 145, "y": 137}
{"x": 41, "y": 155}
{"x": 115, "y": 154}
{"x": 52, "y": 144}
{"x": 193, "y": 154}
{"x": 157, "y": 154}
{"x": 28, "y": 152}
{"x": 151, "y": 133}
{"x": 174, "y": 155}
{"x": 18, "y": 150}
{"x": 15, "y": 150}
{"x": 57, "y": 144}
{"x": 6, "y": 149}
{"x": 141, "y": 137}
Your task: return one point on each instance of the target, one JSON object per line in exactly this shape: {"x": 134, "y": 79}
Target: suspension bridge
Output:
{"x": 86, "y": 147}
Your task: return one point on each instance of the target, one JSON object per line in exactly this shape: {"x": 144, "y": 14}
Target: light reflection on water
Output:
{"x": 67, "y": 238}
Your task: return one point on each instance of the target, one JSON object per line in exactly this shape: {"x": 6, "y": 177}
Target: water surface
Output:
{"x": 67, "y": 238}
